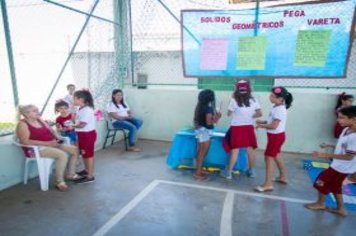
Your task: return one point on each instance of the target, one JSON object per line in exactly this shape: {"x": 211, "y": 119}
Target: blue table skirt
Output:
{"x": 184, "y": 149}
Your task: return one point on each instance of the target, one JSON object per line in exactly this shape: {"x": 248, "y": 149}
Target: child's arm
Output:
{"x": 346, "y": 156}
{"x": 81, "y": 124}
{"x": 216, "y": 117}
{"x": 326, "y": 145}
{"x": 211, "y": 118}
{"x": 59, "y": 127}
{"x": 258, "y": 113}
{"x": 272, "y": 125}
{"x": 261, "y": 121}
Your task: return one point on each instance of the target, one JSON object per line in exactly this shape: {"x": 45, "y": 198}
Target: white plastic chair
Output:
{"x": 44, "y": 165}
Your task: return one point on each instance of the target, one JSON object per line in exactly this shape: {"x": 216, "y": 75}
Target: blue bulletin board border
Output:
{"x": 332, "y": 72}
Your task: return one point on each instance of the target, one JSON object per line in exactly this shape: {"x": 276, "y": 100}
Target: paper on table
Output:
{"x": 320, "y": 164}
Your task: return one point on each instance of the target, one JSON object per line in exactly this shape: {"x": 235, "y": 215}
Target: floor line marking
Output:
{"x": 127, "y": 208}
{"x": 284, "y": 218}
{"x": 261, "y": 195}
{"x": 226, "y": 215}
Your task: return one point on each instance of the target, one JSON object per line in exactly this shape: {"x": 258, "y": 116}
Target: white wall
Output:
{"x": 310, "y": 119}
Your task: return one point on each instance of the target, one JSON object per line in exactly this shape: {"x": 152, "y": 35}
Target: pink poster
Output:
{"x": 213, "y": 54}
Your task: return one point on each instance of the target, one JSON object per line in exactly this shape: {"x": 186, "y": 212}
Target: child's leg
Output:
{"x": 319, "y": 204}
{"x": 202, "y": 150}
{"x": 251, "y": 157}
{"x": 340, "y": 210}
{"x": 199, "y": 163}
{"x": 233, "y": 159}
{"x": 269, "y": 172}
{"x": 281, "y": 167}
{"x": 89, "y": 166}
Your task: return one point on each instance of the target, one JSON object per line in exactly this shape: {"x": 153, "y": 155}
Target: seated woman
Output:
{"x": 32, "y": 130}
{"x": 122, "y": 117}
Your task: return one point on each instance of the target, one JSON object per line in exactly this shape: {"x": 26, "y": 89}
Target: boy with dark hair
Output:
{"x": 344, "y": 163}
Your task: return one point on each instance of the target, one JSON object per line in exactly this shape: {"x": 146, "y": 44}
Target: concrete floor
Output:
{"x": 137, "y": 194}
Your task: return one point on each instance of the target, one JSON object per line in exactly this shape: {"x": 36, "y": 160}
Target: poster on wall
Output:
{"x": 308, "y": 40}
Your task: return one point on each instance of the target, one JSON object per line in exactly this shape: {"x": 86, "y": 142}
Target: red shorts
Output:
{"x": 86, "y": 143}
{"x": 240, "y": 137}
{"x": 330, "y": 180}
{"x": 274, "y": 144}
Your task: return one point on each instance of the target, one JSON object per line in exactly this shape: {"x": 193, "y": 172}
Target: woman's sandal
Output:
{"x": 62, "y": 187}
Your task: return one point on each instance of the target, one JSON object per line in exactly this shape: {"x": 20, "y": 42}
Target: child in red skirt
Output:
{"x": 275, "y": 125}
{"x": 344, "y": 100}
{"x": 85, "y": 128}
{"x": 344, "y": 163}
{"x": 244, "y": 109}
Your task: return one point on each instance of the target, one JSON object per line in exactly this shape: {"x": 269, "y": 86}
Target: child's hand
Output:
{"x": 218, "y": 114}
{"x": 258, "y": 121}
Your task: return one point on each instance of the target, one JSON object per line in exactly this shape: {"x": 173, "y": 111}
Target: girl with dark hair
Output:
{"x": 121, "y": 116}
{"x": 205, "y": 116}
{"x": 85, "y": 129}
{"x": 275, "y": 126}
{"x": 244, "y": 109}
{"x": 344, "y": 100}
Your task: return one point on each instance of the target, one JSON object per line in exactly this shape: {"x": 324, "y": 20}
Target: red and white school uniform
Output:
{"x": 241, "y": 133}
{"x": 330, "y": 180}
{"x": 277, "y": 136}
{"x": 87, "y": 134}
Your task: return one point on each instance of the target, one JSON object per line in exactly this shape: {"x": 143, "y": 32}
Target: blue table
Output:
{"x": 184, "y": 147}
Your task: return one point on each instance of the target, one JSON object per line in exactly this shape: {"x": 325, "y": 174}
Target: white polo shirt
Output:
{"x": 86, "y": 115}
{"x": 243, "y": 115}
{"x": 346, "y": 144}
{"x": 278, "y": 113}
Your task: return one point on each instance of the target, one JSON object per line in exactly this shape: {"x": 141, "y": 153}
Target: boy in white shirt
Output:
{"x": 344, "y": 163}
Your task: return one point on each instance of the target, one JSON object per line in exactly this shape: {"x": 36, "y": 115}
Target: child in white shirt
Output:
{"x": 244, "y": 109}
{"x": 344, "y": 163}
{"x": 275, "y": 126}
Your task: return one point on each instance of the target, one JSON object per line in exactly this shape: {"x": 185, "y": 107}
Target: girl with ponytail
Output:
{"x": 275, "y": 126}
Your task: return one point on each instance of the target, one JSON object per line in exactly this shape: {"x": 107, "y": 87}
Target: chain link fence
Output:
{"x": 43, "y": 35}
{"x": 129, "y": 42}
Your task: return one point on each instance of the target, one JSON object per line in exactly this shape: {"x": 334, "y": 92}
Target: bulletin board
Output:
{"x": 309, "y": 40}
